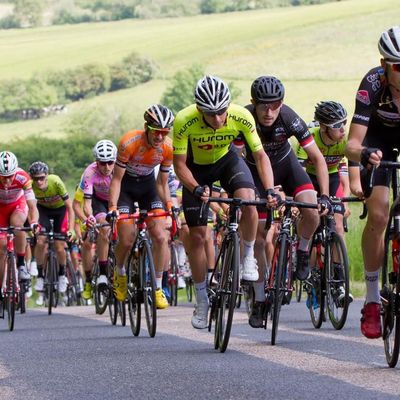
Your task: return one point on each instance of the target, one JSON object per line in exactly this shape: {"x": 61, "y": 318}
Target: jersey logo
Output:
{"x": 363, "y": 96}
{"x": 296, "y": 125}
{"x": 206, "y": 147}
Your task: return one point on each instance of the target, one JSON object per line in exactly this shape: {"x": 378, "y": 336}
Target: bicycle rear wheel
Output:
{"x": 281, "y": 259}
{"x": 52, "y": 285}
{"x": 113, "y": 309}
{"x": 173, "y": 277}
{"x": 73, "y": 289}
{"x": 100, "y": 293}
{"x": 11, "y": 296}
{"x": 148, "y": 283}
{"x": 337, "y": 280}
{"x": 135, "y": 295}
{"x": 227, "y": 291}
{"x": 390, "y": 295}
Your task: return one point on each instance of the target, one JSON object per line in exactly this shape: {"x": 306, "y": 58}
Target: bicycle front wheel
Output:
{"x": 11, "y": 294}
{"x": 52, "y": 284}
{"x": 135, "y": 296}
{"x": 227, "y": 291}
{"x": 390, "y": 298}
{"x": 173, "y": 277}
{"x": 337, "y": 281}
{"x": 148, "y": 286}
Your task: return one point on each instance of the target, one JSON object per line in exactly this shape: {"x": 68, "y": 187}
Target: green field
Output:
{"x": 319, "y": 52}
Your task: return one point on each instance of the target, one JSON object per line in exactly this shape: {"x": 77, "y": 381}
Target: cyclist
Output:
{"x": 95, "y": 185}
{"x": 376, "y": 119}
{"x": 329, "y": 133}
{"x": 53, "y": 202}
{"x": 276, "y": 123}
{"x": 207, "y": 129}
{"x": 17, "y": 203}
{"x": 139, "y": 152}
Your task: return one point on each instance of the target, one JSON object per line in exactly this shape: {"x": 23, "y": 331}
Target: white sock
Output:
{"x": 159, "y": 282}
{"x": 303, "y": 244}
{"x": 259, "y": 291}
{"x": 201, "y": 292}
{"x": 248, "y": 248}
{"x": 121, "y": 271}
{"x": 372, "y": 284}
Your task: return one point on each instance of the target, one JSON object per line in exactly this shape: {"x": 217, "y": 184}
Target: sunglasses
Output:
{"x": 214, "y": 113}
{"x": 269, "y": 106}
{"x": 39, "y": 178}
{"x": 395, "y": 66}
{"x": 158, "y": 131}
{"x": 337, "y": 125}
{"x": 103, "y": 163}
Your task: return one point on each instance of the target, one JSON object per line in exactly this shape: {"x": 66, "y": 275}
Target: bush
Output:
{"x": 10, "y": 22}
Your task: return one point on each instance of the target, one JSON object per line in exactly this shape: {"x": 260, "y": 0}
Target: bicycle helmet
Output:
{"x": 212, "y": 94}
{"x": 389, "y": 44}
{"x": 329, "y": 112}
{"x": 8, "y": 163}
{"x": 267, "y": 89}
{"x": 38, "y": 167}
{"x": 105, "y": 150}
{"x": 159, "y": 116}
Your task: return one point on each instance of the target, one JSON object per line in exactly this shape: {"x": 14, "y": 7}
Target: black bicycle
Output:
{"x": 223, "y": 298}
{"x": 74, "y": 291}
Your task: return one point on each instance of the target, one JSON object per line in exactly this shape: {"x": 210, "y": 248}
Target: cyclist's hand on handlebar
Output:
{"x": 370, "y": 156}
{"x": 325, "y": 205}
{"x": 112, "y": 214}
{"x": 90, "y": 221}
{"x": 273, "y": 199}
{"x": 201, "y": 192}
{"x": 36, "y": 227}
{"x": 71, "y": 235}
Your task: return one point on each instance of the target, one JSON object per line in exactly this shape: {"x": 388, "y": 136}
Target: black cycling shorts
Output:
{"x": 141, "y": 190}
{"x": 232, "y": 172}
{"x": 56, "y": 214}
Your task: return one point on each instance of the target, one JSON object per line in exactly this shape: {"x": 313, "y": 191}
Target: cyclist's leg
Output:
{"x": 100, "y": 208}
{"x": 210, "y": 251}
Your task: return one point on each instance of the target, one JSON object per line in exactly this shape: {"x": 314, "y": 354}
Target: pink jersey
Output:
{"x": 21, "y": 185}
{"x": 95, "y": 184}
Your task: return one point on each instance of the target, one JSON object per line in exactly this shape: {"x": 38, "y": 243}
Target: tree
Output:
{"x": 29, "y": 11}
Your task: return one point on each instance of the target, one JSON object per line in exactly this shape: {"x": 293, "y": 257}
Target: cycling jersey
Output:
{"x": 94, "y": 184}
{"x": 21, "y": 185}
{"x": 208, "y": 145}
{"x": 333, "y": 154}
{"x": 275, "y": 138}
{"x": 139, "y": 157}
{"x": 54, "y": 195}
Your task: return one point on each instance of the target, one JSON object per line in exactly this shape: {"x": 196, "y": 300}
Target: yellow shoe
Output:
{"x": 120, "y": 286}
{"x": 87, "y": 291}
{"x": 161, "y": 300}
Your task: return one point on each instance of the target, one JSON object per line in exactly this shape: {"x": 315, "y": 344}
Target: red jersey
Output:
{"x": 21, "y": 185}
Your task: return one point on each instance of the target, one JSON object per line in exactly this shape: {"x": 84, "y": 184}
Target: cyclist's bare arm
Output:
{"x": 183, "y": 172}
{"x": 71, "y": 214}
{"x": 87, "y": 207}
{"x": 76, "y": 205}
{"x": 115, "y": 186}
{"x": 264, "y": 168}
{"x": 33, "y": 213}
{"x": 163, "y": 187}
{"x": 354, "y": 144}
{"x": 316, "y": 157}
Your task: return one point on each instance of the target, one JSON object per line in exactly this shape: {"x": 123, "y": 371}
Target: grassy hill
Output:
{"x": 319, "y": 52}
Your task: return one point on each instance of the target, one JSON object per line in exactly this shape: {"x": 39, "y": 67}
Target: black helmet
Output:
{"x": 389, "y": 44}
{"x": 329, "y": 112}
{"x": 38, "y": 167}
{"x": 159, "y": 116}
{"x": 266, "y": 89}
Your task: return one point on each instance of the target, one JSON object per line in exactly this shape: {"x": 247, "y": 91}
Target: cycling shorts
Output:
{"x": 141, "y": 190}
{"x": 59, "y": 215}
{"x": 99, "y": 207}
{"x": 232, "y": 172}
{"x": 7, "y": 210}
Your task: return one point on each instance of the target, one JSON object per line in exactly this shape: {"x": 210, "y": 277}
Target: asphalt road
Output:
{"x": 75, "y": 354}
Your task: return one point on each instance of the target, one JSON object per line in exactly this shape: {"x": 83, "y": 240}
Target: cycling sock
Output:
{"x": 61, "y": 270}
{"x": 372, "y": 284}
{"x": 159, "y": 282}
{"x": 121, "y": 271}
{"x": 20, "y": 259}
{"x": 259, "y": 291}
{"x": 201, "y": 291}
{"x": 303, "y": 243}
{"x": 103, "y": 267}
{"x": 209, "y": 274}
{"x": 164, "y": 282}
{"x": 40, "y": 271}
{"x": 248, "y": 248}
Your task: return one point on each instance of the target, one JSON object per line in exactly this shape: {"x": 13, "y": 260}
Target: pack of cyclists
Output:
{"x": 248, "y": 151}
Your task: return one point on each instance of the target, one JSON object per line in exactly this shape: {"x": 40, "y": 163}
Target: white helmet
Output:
{"x": 105, "y": 150}
{"x": 8, "y": 163}
{"x": 389, "y": 44}
{"x": 212, "y": 94}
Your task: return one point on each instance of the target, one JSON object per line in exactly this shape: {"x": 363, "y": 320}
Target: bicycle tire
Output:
{"x": 315, "y": 287}
{"x": 135, "y": 296}
{"x": 228, "y": 287}
{"x": 173, "y": 277}
{"x": 11, "y": 294}
{"x": 113, "y": 309}
{"x": 148, "y": 286}
{"x": 279, "y": 284}
{"x": 52, "y": 285}
{"x": 100, "y": 294}
{"x": 390, "y": 298}
{"x": 23, "y": 290}
{"x": 337, "y": 311}
{"x": 121, "y": 307}
{"x": 73, "y": 288}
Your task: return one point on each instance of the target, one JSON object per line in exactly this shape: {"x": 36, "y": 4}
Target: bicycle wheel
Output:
{"x": 135, "y": 296}
{"x": 173, "y": 277}
{"x": 148, "y": 286}
{"x": 315, "y": 286}
{"x": 100, "y": 294}
{"x": 122, "y": 312}
{"x": 11, "y": 296}
{"x": 113, "y": 309}
{"x": 227, "y": 291}
{"x": 189, "y": 288}
{"x": 390, "y": 298}
{"x": 337, "y": 280}
{"x": 51, "y": 289}
{"x": 23, "y": 290}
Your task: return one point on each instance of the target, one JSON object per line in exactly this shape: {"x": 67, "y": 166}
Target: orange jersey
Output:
{"x": 139, "y": 157}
